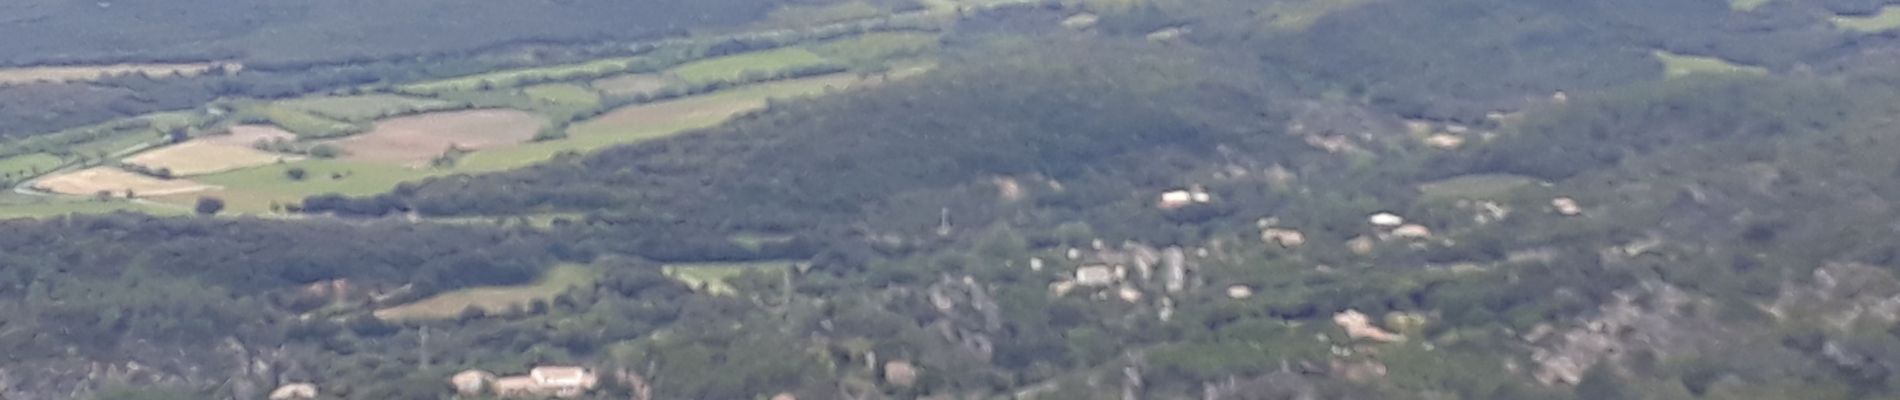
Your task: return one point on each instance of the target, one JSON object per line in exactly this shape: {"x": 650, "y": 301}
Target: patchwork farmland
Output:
{"x": 115, "y": 182}
{"x": 415, "y": 139}
{"x": 200, "y": 157}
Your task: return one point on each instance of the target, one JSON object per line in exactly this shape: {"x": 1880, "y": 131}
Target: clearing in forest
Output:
{"x": 513, "y": 78}
{"x": 1297, "y": 15}
{"x": 632, "y": 84}
{"x": 249, "y": 135}
{"x": 199, "y": 157}
{"x": 24, "y": 206}
{"x": 1476, "y": 186}
{"x": 364, "y": 107}
{"x": 27, "y": 165}
{"x": 74, "y": 73}
{"x": 1679, "y": 65}
{"x": 252, "y": 190}
{"x": 718, "y": 105}
{"x": 876, "y": 47}
{"x": 92, "y": 181}
{"x": 492, "y": 299}
{"x": 1887, "y": 19}
{"x": 637, "y": 123}
{"x": 416, "y": 139}
{"x": 734, "y": 67}
{"x": 1746, "y": 5}
{"x": 714, "y": 278}
{"x": 305, "y": 124}
{"x": 563, "y": 94}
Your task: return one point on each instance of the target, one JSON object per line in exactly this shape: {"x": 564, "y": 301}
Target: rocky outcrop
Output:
{"x": 1649, "y": 318}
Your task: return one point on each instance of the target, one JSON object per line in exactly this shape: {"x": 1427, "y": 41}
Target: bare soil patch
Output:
{"x": 416, "y": 139}
{"x": 91, "y": 181}
{"x": 203, "y": 157}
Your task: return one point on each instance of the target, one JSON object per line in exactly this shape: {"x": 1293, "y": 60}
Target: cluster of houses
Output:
{"x": 540, "y": 382}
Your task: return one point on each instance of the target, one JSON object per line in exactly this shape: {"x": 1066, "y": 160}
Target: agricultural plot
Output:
{"x": 25, "y": 165}
{"x": 513, "y": 78}
{"x": 799, "y": 16}
{"x": 493, "y": 299}
{"x": 632, "y": 84}
{"x": 305, "y": 124}
{"x": 319, "y": 176}
{"x": 1887, "y": 19}
{"x": 249, "y": 135}
{"x": 637, "y": 123}
{"x": 876, "y": 47}
{"x": 364, "y": 107}
{"x": 563, "y": 94}
{"x": 415, "y": 139}
{"x": 1747, "y": 5}
{"x": 117, "y": 182}
{"x": 200, "y": 157}
{"x": 23, "y": 206}
{"x": 11, "y": 76}
{"x": 715, "y": 278}
{"x": 735, "y": 67}
{"x": 1678, "y": 65}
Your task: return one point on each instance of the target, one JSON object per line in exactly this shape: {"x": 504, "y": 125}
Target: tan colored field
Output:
{"x": 91, "y": 181}
{"x": 631, "y": 84}
{"x": 416, "y": 139}
{"x": 204, "y": 157}
{"x": 90, "y": 72}
{"x": 247, "y": 135}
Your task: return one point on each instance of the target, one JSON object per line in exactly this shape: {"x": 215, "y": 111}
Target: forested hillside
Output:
{"x": 1169, "y": 199}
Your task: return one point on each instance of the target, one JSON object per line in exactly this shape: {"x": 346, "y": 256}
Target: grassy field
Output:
{"x": 1678, "y": 65}
{"x": 563, "y": 94}
{"x": 362, "y": 108}
{"x": 305, "y": 124}
{"x": 28, "y": 164}
{"x": 797, "y": 16}
{"x": 714, "y": 278}
{"x": 90, "y": 72}
{"x": 23, "y": 206}
{"x": 1479, "y": 186}
{"x": 493, "y": 299}
{"x": 632, "y": 84}
{"x": 1297, "y": 15}
{"x": 513, "y": 78}
{"x": 1747, "y": 5}
{"x": 638, "y": 123}
{"x": 320, "y": 176}
{"x": 1887, "y": 19}
{"x": 733, "y": 67}
{"x": 876, "y": 47}
{"x": 117, "y": 143}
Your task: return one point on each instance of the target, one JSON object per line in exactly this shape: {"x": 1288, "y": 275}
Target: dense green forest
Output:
{"x": 1578, "y": 221}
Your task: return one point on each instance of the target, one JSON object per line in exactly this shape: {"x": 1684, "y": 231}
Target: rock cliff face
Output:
{"x": 229, "y": 369}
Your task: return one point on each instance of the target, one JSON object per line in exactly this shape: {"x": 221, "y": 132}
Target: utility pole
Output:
{"x": 424, "y": 347}
{"x": 943, "y": 222}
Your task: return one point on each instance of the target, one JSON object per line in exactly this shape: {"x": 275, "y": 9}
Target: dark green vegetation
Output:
{"x": 327, "y": 31}
{"x": 1730, "y": 243}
